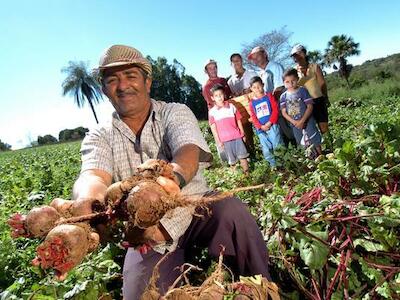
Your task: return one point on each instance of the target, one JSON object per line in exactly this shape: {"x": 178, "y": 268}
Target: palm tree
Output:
{"x": 339, "y": 48}
{"x": 315, "y": 57}
{"x": 82, "y": 85}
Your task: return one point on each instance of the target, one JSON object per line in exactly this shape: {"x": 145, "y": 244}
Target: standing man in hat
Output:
{"x": 211, "y": 69}
{"x": 312, "y": 78}
{"x": 142, "y": 129}
{"x": 271, "y": 74}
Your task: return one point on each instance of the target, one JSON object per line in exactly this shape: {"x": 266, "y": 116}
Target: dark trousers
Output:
{"x": 229, "y": 224}
{"x": 249, "y": 134}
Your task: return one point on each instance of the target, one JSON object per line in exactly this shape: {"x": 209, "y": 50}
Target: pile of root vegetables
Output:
{"x": 69, "y": 233}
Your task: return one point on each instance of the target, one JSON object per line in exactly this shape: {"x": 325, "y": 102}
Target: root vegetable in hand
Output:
{"x": 37, "y": 223}
{"x": 64, "y": 207}
{"x": 65, "y": 247}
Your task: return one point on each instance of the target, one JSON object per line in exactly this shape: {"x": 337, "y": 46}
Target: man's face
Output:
{"x": 218, "y": 97}
{"x": 128, "y": 89}
{"x": 237, "y": 63}
{"x": 299, "y": 57}
{"x": 212, "y": 70}
{"x": 260, "y": 59}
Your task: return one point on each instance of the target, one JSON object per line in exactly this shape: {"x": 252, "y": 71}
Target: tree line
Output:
{"x": 172, "y": 84}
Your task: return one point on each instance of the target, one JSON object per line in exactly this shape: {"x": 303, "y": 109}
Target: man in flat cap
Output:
{"x": 142, "y": 129}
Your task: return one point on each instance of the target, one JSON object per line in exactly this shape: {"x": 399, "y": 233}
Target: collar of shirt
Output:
{"x": 125, "y": 130}
{"x": 226, "y": 105}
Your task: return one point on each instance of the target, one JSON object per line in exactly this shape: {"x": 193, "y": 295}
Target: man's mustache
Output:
{"x": 126, "y": 93}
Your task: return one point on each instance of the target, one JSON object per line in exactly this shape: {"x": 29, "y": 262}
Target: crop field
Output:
{"x": 332, "y": 226}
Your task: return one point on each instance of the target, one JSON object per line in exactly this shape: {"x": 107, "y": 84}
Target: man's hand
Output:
{"x": 266, "y": 126}
{"x": 300, "y": 124}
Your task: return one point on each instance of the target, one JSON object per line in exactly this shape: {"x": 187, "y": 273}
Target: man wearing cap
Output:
{"x": 312, "y": 78}
{"x": 271, "y": 74}
{"x": 142, "y": 129}
{"x": 211, "y": 69}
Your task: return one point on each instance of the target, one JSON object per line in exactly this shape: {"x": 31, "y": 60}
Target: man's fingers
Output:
{"x": 168, "y": 185}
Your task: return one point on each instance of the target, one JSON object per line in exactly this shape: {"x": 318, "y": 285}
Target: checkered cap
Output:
{"x": 119, "y": 55}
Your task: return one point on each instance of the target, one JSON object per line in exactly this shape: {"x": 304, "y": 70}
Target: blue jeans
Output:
{"x": 270, "y": 140}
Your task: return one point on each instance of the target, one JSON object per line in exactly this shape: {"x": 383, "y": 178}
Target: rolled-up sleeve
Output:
{"x": 96, "y": 152}
{"x": 182, "y": 128}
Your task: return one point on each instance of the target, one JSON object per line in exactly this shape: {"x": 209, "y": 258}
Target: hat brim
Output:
{"x": 140, "y": 64}
{"x": 122, "y": 63}
{"x": 250, "y": 56}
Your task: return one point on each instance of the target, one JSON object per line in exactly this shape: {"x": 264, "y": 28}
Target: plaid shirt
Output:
{"x": 114, "y": 148}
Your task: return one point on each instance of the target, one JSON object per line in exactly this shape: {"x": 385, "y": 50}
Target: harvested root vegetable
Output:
{"x": 179, "y": 295}
{"x": 62, "y": 206}
{"x": 37, "y": 223}
{"x": 65, "y": 247}
{"x": 150, "y": 170}
{"x": 84, "y": 206}
{"x": 154, "y": 168}
{"x": 17, "y": 224}
{"x": 148, "y": 202}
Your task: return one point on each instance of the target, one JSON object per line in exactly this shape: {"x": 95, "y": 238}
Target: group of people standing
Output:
{"x": 282, "y": 106}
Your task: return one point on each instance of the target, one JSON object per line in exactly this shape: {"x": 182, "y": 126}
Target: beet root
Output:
{"x": 144, "y": 204}
{"x": 17, "y": 224}
{"x": 41, "y": 220}
{"x": 150, "y": 170}
{"x": 65, "y": 247}
{"x": 153, "y": 168}
{"x": 119, "y": 190}
{"x": 178, "y": 294}
{"x": 37, "y": 223}
{"x": 62, "y": 206}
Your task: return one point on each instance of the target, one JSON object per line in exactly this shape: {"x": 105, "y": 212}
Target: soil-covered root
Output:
{"x": 37, "y": 223}
{"x": 148, "y": 202}
{"x": 150, "y": 170}
{"x": 64, "y": 207}
{"x": 178, "y": 294}
{"x": 65, "y": 247}
{"x": 153, "y": 168}
{"x": 256, "y": 287}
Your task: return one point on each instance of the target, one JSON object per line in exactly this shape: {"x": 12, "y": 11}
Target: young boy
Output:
{"x": 227, "y": 128}
{"x": 297, "y": 106}
{"x": 264, "y": 114}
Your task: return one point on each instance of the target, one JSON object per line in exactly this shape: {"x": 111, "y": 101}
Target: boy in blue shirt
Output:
{"x": 264, "y": 115}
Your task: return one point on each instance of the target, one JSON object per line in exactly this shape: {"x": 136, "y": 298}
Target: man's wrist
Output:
{"x": 180, "y": 179}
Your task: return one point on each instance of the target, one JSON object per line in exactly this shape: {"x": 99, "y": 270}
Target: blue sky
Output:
{"x": 39, "y": 37}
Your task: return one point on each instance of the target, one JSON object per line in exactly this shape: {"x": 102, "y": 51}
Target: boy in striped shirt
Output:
{"x": 224, "y": 120}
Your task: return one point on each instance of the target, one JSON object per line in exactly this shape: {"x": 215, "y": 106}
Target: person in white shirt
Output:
{"x": 271, "y": 74}
{"x": 239, "y": 82}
